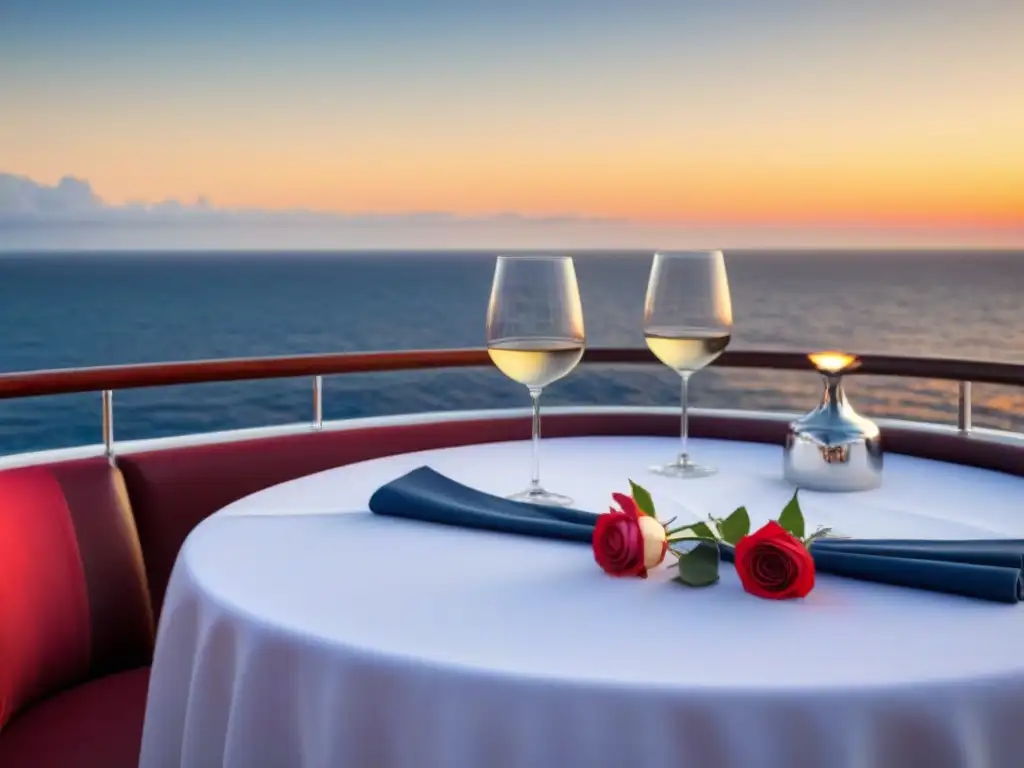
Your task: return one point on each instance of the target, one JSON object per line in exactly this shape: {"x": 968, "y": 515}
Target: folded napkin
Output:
{"x": 426, "y": 495}
{"x": 984, "y": 568}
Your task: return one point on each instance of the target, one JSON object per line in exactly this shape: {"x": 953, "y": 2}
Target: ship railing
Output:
{"x": 108, "y": 379}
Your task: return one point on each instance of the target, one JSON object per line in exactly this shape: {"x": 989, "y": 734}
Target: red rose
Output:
{"x": 619, "y": 544}
{"x": 772, "y": 563}
{"x": 626, "y": 542}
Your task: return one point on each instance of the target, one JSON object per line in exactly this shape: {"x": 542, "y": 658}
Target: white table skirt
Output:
{"x": 301, "y": 631}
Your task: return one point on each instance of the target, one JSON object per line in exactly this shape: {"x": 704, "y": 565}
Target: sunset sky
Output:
{"x": 818, "y": 121}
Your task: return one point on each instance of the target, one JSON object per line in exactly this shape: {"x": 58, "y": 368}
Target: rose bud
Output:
{"x": 773, "y": 564}
{"x": 626, "y": 541}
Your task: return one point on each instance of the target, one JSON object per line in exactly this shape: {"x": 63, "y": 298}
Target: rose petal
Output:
{"x": 627, "y": 504}
{"x": 655, "y": 540}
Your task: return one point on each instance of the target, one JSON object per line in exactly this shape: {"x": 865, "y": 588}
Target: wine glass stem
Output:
{"x": 684, "y": 426}
{"x": 535, "y": 469}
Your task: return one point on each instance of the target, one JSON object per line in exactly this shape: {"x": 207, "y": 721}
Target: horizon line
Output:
{"x": 576, "y": 250}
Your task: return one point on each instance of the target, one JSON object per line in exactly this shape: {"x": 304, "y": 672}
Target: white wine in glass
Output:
{"x": 687, "y": 325}
{"x": 535, "y": 337}
{"x": 686, "y": 349}
{"x": 535, "y": 362}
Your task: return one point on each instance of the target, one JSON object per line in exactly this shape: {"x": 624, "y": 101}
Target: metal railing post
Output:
{"x": 318, "y": 402}
{"x": 963, "y": 413}
{"x": 108, "y": 425}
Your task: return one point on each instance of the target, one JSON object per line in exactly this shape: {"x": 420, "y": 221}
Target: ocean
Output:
{"x": 83, "y": 309}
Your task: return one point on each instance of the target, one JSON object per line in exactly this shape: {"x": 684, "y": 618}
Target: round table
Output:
{"x": 301, "y": 630}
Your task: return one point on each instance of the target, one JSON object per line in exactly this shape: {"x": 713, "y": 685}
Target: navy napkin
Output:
{"x": 426, "y": 495}
{"x": 985, "y": 569}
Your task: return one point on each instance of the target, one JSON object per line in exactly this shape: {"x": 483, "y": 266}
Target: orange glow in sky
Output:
{"x": 872, "y": 114}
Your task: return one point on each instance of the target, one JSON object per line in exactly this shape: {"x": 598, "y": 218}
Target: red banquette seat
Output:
{"x": 76, "y": 623}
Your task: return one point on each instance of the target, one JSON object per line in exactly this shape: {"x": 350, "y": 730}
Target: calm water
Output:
{"x": 77, "y": 310}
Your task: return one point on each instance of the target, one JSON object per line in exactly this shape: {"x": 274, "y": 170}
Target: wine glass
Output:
{"x": 687, "y": 324}
{"x": 535, "y": 336}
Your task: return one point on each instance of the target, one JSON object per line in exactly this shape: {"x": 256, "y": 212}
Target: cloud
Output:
{"x": 71, "y": 216}
{"x": 73, "y": 201}
{"x": 25, "y": 200}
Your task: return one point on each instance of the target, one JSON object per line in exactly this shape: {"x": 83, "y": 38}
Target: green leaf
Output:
{"x": 699, "y": 566}
{"x": 792, "y": 518}
{"x": 699, "y": 531}
{"x": 735, "y": 526}
{"x": 642, "y": 498}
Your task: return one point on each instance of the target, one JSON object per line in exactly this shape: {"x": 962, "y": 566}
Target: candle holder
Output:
{"x": 833, "y": 448}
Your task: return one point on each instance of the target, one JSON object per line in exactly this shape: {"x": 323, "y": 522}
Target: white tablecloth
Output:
{"x": 301, "y": 631}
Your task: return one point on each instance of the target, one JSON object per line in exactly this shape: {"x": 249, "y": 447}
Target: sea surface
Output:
{"x": 63, "y": 310}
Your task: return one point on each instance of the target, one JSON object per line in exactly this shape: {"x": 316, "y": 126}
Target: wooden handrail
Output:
{"x": 117, "y": 377}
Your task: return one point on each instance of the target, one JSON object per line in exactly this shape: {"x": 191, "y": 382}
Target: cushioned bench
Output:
{"x": 76, "y": 624}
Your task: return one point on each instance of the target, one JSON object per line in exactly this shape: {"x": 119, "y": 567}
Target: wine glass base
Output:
{"x": 540, "y": 496}
{"x": 683, "y": 471}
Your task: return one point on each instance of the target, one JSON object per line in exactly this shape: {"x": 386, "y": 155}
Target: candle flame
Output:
{"x": 832, "y": 361}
